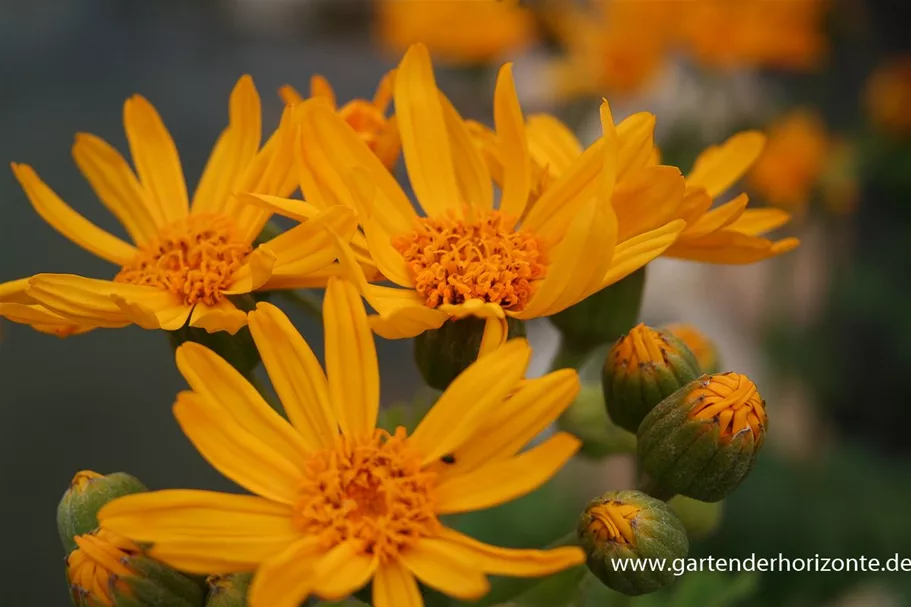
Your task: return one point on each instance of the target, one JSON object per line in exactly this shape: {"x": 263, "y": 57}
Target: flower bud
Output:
{"x": 604, "y": 316}
{"x": 700, "y": 519}
{"x": 587, "y": 419}
{"x": 442, "y": 354}
{"x": 702, "y": 440}
{"x": 643, "y": 368}
{"x": 228, "y": 590}
{"x": 108, "y": 570}
{"x": 630, "y": 525}
{"x": 88, "y": 492}
{"x": 704, "y": 349}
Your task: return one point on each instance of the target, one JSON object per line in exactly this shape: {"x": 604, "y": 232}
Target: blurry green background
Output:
{"x": 835, "y": 482}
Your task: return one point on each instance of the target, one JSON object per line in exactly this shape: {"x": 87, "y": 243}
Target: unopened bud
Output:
{"x": 702, "y": 440}
{"x": 703, "y": 348}
{"x": 228, "y": 590}
{"x": 88, "y": 492}
{"x": 628, "y": 526}
{"x": 643, "y": 368}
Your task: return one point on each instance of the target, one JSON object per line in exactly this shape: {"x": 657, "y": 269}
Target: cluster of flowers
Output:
{"x": 339, "y": 502}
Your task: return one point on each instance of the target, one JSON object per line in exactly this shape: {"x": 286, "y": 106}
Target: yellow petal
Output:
{"x": 320, "y": 87}
{"x": 286, "y": 579}
{"x": 636, "y": 140}
{"x": 41, "y": 319}
{"x": 696, "y": 202}
{"x": 223, "y": 316}
{"x": 754, "y": 222}
{"x": 729, "y": 247}
{"x": 351, "y": 364}
{"x": 718, "y": 168}
{"x": 150, "y": 308}
{"x": 296, "y": 375}
{"x": 425, "y": 141}
{"x": 156, "y": 159}
{"x": 634, "y": 253}
{"x": 610, "y": 170}
{"x": 648, "y": 198}
{"x": 382, "y": 97}
{"x": 297, "y": 210}
{"x": 216, "y": 380}
{"x": 234, "y": 151}
{"x": 70, "y": 223}
{"x": 407, "y": 322}
{"x": 471, "y": 172}
{"x": 343, "y": 571}
{"x": 14, "y": 291}
{"x": 432, "y": 562}
{"x": 395, "y": 586}
{"x": 505, "y": 480}
{"x": 117, "y": 187}
{"x": 388, "y": 143}
{"x": 512, "y": 424}
{"x": 510, "y": 126}
{"x": 234, "y": 451}
{"x": 496, "y": 331}
{"x": 465, "y": 403}
{"x": 218, "y": 556}
{"x": 473, "y": 307}
{"x": 289, "y": 94}
{"x": 551, "y": 143}
{"x": 509, "y": 561}
{"x": 717, "y": 218}
{"x": 254, "y": 273}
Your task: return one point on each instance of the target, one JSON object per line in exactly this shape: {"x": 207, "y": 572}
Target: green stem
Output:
{"x": 568, "y": 357}
{"x": 305, "y": 301}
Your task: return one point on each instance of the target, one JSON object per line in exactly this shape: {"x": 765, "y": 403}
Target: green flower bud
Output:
{"x": 604, "y": 316}
{"x": 587, "y": 419}
{"x": 703, "y": 348}
{"x": 228, "y": 590}
{"x": 108, "y": 570}
{"x": 88, "y": 492}
{"x": 701, "y": 519}
{"x": 702, "y": 440}
{"x": 643, "y": 368}
{"x": 627, "y": 526}
{"x": 442, "y": 354}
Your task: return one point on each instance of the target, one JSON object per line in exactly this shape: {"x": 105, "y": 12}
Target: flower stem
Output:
{"x": 568, "y": 357}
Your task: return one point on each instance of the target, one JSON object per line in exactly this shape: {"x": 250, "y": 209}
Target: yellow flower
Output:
{"x": 187, "y": 257}
{"x": 730, "y": 233}
{"x": 340, "y": 502}
{"x": 96, "y": 568}
{"x": 528, "y": 257}
{"x": 367, "y": 118}
{"x": 458, "y": 33}
{"x": 888, "y": 96}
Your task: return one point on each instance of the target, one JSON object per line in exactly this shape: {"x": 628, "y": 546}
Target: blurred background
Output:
{"x": 824, "y": 331}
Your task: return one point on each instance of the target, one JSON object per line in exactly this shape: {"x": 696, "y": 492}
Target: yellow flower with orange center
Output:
{"x": 96, "y": 568}
{"x": 339, "y": 502}
{"x": 533, "y": 254}
{"x": 367, "y": 117}
{"x": 458, "y": 33}
{"x": 188, "y": 257}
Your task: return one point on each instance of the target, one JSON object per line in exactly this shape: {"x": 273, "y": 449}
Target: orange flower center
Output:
{"x": 613, "y": 522}
{"x": 373, "y": 490}
{"x": 194, "y": 258}
{"x": 454, "y": 260}
{"x": 733, "y": 401}
{"x": 94, "y": 569}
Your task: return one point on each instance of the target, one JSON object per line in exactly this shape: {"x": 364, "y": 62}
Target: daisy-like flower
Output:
{"x": 466, "y": 256}
{"x": 339, "y": 502}
{"x": 187, "y": 257}
{"x": 367, "y": 117}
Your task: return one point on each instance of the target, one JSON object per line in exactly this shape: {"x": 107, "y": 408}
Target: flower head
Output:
{"x": 97, "y": 567}
{"x": 340, "y": 502}
{"x": 188, "y": 256}
{"x": 888, "y": 95}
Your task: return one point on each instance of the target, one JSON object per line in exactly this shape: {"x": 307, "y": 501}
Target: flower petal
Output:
{"x": 320, "y": 87}
{"x": 648, "y": 198}
{"x": 636, "y": 140}
{"x": 351, "y": 364}
{"x": 425, "y": 141}
{"x": 729, "y": 247}
{"x": 501, "y": 481}
{"x": 289, "y": 95}
{"x": 717, "y": 218}
{"x": 234, "y": 151}
{"x": 754, "y": 222}
{"x": 343, "y": 571}
{"x": 432, "y": 562}
{"x": 496, "y": 330}
{"x": 117, "y": 187}
{"x": 395, "y": 586}
{"x": 156, "y": 159}
{"x": 287, "y": 579}
{"x": 151, "y": 308}
{"x": 468, "y": 399}
{"x": 510, "y": 127}
{"x": 296, "y": 375}
{"x": 719, "y": 167}
{"x": 255, "y": 272}
{"x": 223, "y": 316}
{"x": 511, "y": 425}
{"x": 68, "y": 222}
{"x": 297, "y": 210}
{"x": 473, "y": 307}
{"x": 509, "y": 561}
{"x": 41, "y": 319}
{"x": 634, "y": 253}
{"x": 551, "y": 143}
{"x": 15, "y": 291}
{"x": 472, "y": 175}
{"x": 234, "y": 451}
{"x": 222, "y": 385}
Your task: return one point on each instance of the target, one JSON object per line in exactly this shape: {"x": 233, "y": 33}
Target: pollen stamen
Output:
{"x": 453, "y": 260}
{"x": 194, "y": 258}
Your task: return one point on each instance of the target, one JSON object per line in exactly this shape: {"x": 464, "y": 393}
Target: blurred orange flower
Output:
{"x": 888, "y": 96}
